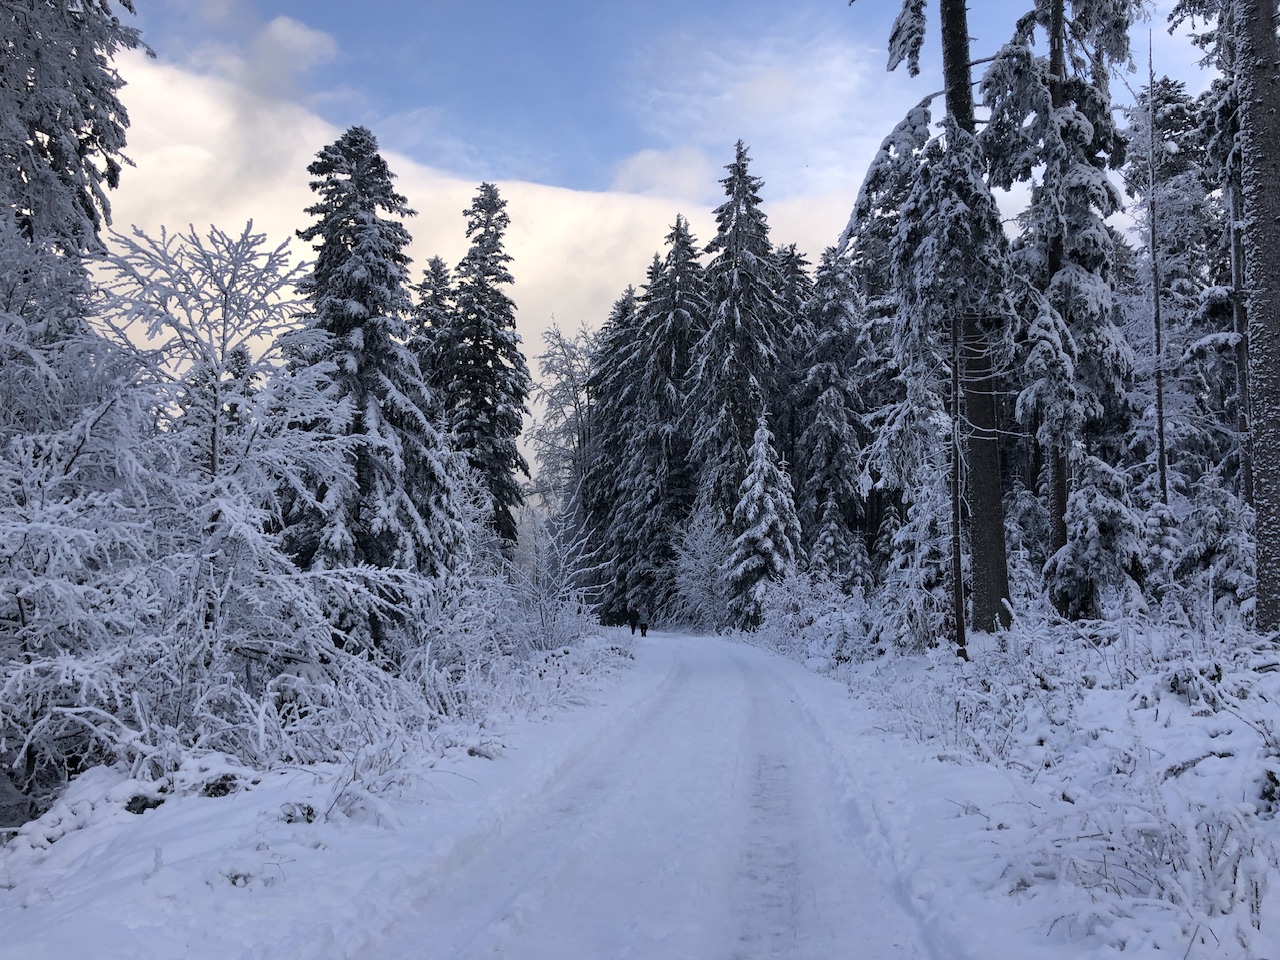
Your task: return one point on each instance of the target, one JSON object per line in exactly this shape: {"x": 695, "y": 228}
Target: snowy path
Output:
{"x": 714, "y": 802}
{"x": 713, "y": 820}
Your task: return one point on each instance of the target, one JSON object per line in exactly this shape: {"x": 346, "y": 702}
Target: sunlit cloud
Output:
{"x": 210, "y": 150}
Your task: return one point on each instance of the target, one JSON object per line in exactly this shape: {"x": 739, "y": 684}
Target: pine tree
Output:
{"x": 433, "y": 313}
{"x": 741, "y": 344}
{"x": 960, "y": 262}
{"x": 795, "y": 288}
{"x": 765, "y": 548}
{"x": 660, "y": 479}
{"x": 830, "y": 448}
{"x": 1183, "y": 328}
{"x": 401, "y": 507}
{"x": 615, "y": 418}
{"x": 484, "y": 379}
{"x": 1051, "y": 119}
{"x": 62, "y": 124}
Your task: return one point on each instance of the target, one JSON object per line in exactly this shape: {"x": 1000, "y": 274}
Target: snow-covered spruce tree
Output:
{"x": 482, "y": 375}
{"x": 400, "y": 510}
{"x": 977, "y": 312}
{"x": 62, "y": 124}
{"x": 660, "y": 478}
{"x": 951, "y": 268}
{"x": 1240, "y": 41}
{"x": 868, "y": 242}
{"x": 432, "y": 313}
{"x": 795, "y": 288}
{"x": 1051, "y": 124}
{"x": 916, "y": 610}
{"x": 741, "y": 343}
{"x": 1182, "y": 317}
{"x": 766, "y": 547}
{"x": 829, "y": 457}
{"x": 614, "y": 386}
{"x": 1102, "y": 570}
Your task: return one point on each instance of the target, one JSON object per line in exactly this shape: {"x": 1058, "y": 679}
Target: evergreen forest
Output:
{"x": 282, "y": 511}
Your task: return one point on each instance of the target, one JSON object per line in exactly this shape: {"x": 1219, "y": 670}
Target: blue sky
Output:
{"x": 553, "y": 91}
{"x": 600, "y": 121}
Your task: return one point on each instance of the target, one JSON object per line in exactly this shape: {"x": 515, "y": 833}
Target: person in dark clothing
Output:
{"x": 633, "y": 618}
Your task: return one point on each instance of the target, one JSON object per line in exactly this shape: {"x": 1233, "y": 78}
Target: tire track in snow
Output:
{"x": 768, "y": 873}
{"x": 857, "y": 814}
{"x": 618, "y": 819}
{"x": 711, "y": 825}
{"x": 839, "y": 905}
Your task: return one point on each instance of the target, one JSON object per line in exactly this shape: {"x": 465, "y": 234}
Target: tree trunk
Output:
{"x": 990, "y": 565}
{"x": 1162, "y": 454}
{"x": 1240, "y": 325}
{"x": 990, "y": 587}
{"x": 957, "y": 513}
{"x": 1259, "y": 67}
{"x": 1060, "y": 483}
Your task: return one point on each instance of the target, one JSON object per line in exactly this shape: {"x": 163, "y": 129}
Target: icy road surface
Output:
{"x": 713, "y": 818}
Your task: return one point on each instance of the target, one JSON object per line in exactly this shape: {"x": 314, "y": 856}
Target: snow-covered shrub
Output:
{"x": 1216, "y": 568}
{"x": 1148, "y": 759}
{"x": 913, "y": 609}
{"x": 702, "y": 554}
{"x": 549, "y": 573}
{"x": 812, "y": 620}
{"x": 150, "y": 611}
{"x": 1104, "y": 560}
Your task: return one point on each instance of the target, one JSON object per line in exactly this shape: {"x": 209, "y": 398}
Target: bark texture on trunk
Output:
{"x": 1260, "y": 129}
{"x": 990, "y": 566}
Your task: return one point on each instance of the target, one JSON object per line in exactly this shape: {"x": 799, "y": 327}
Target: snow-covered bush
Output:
{"x": 1104, "y": 561}
{"x": 550, "y": 572}
{"x": 812, "y": 620}
{"x": 150, "y": 609}
{"x": 702, "y": 594}
{"x": 1148, "y": 758}
{"x": 913, "y": 609}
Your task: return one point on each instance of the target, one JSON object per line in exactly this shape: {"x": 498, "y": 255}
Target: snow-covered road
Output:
{"x": 713, "y": 801}
{"x": 714, "y": 818}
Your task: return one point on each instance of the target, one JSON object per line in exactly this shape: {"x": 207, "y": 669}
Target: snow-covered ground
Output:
{"x": 713, "y": 801}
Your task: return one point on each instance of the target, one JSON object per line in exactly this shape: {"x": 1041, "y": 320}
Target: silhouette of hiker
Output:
{"x": 633, "y": 619}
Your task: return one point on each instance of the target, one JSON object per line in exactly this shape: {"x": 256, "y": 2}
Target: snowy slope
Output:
{"x": 717, "y": 802}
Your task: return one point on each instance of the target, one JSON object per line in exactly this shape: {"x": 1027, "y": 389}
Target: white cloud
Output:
{"x": 812, "y": 109}
{"x": 265, "y": 58}
{"x": 208, "y": 149}
{"x": 681, "y": 173}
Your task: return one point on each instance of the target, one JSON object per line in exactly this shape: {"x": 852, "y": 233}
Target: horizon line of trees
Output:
{"x": 287, "y": 525}
{"x": 947, "y": 416}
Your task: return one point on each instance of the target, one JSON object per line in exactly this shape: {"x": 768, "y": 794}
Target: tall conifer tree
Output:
{"x": 660, "y": 478}
{"x": 768, "y": 537}
{"x": 401, "y": 506}
{"x": 615, "y": 420}
{"x": 741, "y": 345}
{"x": 483, "y": 377}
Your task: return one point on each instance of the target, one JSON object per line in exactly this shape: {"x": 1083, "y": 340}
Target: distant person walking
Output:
{"x": 643, "y": 616}
{"x": 633, "y": 618}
